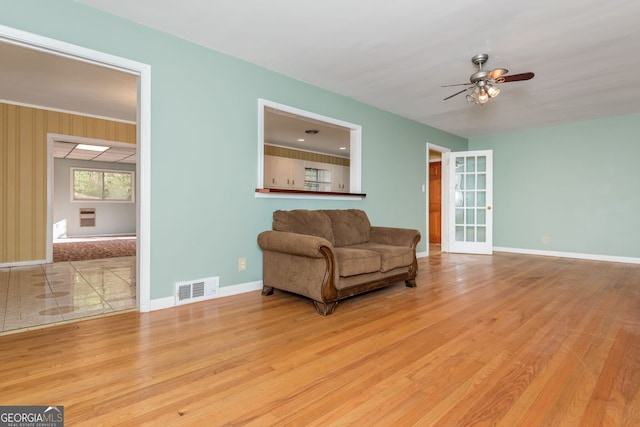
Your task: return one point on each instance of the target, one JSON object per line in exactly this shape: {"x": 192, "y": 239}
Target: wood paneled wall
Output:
{"x": 273, "y": 150}
{"x": 23, "y": 172}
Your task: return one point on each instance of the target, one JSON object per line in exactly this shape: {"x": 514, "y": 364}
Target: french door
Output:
{"x": 470, "y": 214}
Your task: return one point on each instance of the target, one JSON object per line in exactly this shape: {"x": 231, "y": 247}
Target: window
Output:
{"x": 317, "y": 179}
{"x": 102, "y": 185}
{"x": 287, "y": 127}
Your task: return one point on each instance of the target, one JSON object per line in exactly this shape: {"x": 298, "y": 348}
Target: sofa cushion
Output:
{"x": 302, "y": 221}
{"x": 350, "y": 226}
{"x": 390, "y": 256}
{"x": 356, "y": 261}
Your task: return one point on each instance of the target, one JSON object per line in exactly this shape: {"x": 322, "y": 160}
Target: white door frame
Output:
{"x": 445, "y": 196}
{"x": 143, "y": 71}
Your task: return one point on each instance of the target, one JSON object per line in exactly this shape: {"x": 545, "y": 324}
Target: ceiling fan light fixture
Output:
{"x": 483, "y": 97}
{"x": 492, "y": 91}
{"x": 482, "y": 86}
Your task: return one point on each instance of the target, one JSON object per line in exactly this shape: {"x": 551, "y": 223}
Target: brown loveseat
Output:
{"x": 328, "y": 255}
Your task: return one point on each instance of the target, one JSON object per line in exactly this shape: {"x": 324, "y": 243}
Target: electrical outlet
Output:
{"x": 242, "y": 264}
{"x": 545, "y": 240}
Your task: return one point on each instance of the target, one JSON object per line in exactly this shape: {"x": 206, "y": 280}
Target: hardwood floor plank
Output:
{"x": 483, "y": 340}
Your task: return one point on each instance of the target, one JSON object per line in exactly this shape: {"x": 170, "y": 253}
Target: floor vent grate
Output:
{"x": 197, "y": 290}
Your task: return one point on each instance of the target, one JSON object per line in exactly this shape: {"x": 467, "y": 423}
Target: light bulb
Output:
{"x": 483, "y": 97}
{"x": 492, "y": 91}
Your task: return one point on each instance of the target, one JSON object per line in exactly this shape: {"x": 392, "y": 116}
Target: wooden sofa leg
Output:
{"x": 411, "y": 283}
{"x": 324, "y": 308}
{"x": 267, "y": 290}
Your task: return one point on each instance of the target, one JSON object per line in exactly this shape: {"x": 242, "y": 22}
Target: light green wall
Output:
{"x": 576, "y": 183}
{"x": 204, "y": 144}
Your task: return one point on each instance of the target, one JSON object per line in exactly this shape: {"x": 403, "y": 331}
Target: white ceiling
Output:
{"x": 287, "y": 130}
{"x": 397, "y": 55}
{"x": 36, "y": 78}
{"x": 115, "y": 152}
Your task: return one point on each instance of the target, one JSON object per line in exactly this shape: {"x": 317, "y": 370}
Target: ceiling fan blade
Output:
{"x": 516, "y": 77}
{"x": 458, "y": 84}
{"x": 497, "y": 73}
{"x": 457, "y": 93}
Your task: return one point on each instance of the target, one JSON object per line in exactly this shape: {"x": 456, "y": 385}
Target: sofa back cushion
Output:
{"x": 350, "y": 226}
{"x": 302, "y": 221}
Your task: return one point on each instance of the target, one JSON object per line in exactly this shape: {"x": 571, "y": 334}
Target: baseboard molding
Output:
{"x": 224, "y": 291}
{"x": 242, "y": 288}
{"x": 422, "y": 254}
{"x": 162, "y": 303}
{"x": 591, "y": 257}
{"x": 24, "y": 263}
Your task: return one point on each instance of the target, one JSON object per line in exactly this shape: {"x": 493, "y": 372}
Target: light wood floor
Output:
{"x": 510, "y": 340}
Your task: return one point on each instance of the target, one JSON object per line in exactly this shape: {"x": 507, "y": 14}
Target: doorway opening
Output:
{"x": 55, "y": 48}
{"x": 436, "y": 197}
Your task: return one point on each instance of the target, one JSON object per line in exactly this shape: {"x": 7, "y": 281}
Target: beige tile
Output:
{"x": 87, "y": 311}
{"x": 17, "y": 318}
{"x": 31, "y": 296}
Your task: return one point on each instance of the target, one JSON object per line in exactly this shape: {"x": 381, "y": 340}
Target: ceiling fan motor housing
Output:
{"x": 478, "y": 76}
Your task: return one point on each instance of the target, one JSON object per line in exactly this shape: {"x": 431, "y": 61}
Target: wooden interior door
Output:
{"x": 435, "y": 202}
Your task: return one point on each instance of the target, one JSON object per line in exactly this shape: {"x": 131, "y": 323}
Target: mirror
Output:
{"x": 300, "y": 151}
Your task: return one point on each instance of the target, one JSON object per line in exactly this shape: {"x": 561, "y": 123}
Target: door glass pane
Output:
{"x": 470, "y": 182}
{"x": 459, "y": 165}
{"x": 471, "y": 235}
{"x": 471, "y": 164}
{"x": 459, "y": 216}
{"x": 481, "y": 163}
{"x": 471, "y": 216}
{"x": 482, "y": 181}
{"x": 481, "y": 234}
{"x": 459, "y": 198}
{"x": 470, "y": 198}
{"x": 482, "y": 199}
{"x": 459, "y": 234}
{"x": 481, "y": 217}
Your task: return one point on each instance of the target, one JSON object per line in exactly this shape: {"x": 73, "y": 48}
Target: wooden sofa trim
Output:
{"x": 331, "y": 295}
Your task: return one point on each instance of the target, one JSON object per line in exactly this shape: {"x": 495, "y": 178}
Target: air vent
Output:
{"x": 197, "y": 290}
{"x": 87, "y": 217}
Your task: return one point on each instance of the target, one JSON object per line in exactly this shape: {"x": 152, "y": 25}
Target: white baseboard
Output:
{"x": 162, "y": 303}
{"x": 422, "y": 254}
{"x": 224, "y": 291}
{"x": 24, "y": 263}
{"x": 592, "y": 257}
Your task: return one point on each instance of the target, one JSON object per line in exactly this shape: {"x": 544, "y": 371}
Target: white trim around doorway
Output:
{"x": 143, "y": 71}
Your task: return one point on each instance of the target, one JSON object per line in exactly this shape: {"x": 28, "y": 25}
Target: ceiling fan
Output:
{"x": 482, "y": 83}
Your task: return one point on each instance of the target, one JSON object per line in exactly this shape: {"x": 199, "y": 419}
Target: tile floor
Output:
{"x": 33, "y": 296}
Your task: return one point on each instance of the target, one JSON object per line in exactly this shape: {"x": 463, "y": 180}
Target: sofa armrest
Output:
{"x": 395, "y": 236}
{"x": 292, "y": 243}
